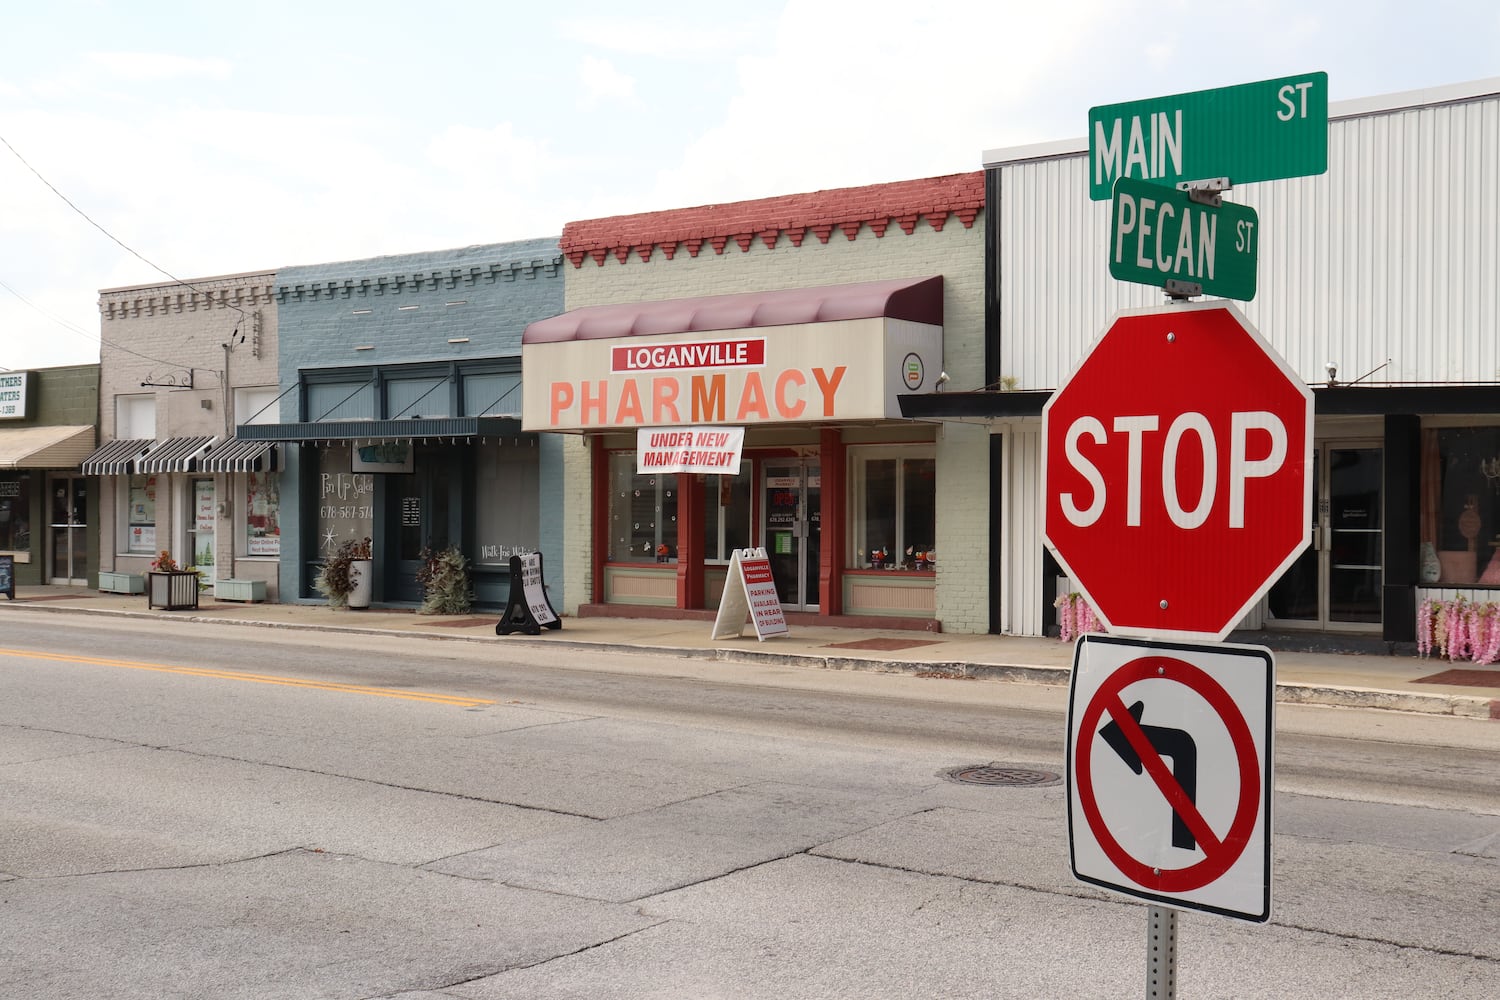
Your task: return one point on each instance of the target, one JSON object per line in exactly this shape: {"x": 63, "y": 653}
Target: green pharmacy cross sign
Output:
{"x": 1253, "y": 132}
{"x": 1163, "y": 236}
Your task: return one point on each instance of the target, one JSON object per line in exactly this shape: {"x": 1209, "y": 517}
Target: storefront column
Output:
{"x": 834, "y": 463}
{"x": 690, "y": 541}
{"x": 599, "y": 514}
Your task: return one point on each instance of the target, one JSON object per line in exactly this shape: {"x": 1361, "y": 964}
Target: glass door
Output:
{"x": 794, "y": 529}
{"x": 1336, "y": 584}
{"x": 68, "y": 549}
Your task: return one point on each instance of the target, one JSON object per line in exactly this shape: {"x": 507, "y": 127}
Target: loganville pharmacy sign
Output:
{"x": 850, "y": 368}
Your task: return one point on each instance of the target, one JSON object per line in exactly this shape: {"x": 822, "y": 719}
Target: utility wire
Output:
{"x": 117, "y": 242}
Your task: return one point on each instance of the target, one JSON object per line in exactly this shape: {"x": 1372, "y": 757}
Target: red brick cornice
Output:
{"x": 850, "y": 211}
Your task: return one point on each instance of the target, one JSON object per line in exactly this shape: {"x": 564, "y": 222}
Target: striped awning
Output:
{"x": 115, "y": 458}
{"x": 174, "y": 455}
{"x": 53, "y": 446}
{"x": 240, "y": 455}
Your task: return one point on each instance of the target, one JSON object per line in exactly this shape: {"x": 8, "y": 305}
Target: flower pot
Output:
{"x": 361, "y": 573}
{"x": 172, "y": 591}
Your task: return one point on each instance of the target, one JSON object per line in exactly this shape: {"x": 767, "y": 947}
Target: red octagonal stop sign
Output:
{"x": 1176, "y": 470}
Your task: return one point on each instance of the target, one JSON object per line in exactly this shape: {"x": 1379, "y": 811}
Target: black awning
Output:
{"x": 384, "y": 430}
{"x": 980, "y": 405}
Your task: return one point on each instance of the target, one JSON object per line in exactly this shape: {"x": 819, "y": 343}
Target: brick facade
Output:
{"x": 905, "y": 229}
{"x": 173, "y": 336}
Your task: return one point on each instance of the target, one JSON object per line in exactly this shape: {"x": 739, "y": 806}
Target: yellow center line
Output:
{"x": 234, "y": 675}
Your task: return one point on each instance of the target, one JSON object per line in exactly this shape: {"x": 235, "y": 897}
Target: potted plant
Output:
{"x": 346, "y": 575}
{"x": 444, "y": 579}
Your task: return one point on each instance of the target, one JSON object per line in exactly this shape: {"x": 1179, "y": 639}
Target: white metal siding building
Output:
{"x": 1387, "y": 268}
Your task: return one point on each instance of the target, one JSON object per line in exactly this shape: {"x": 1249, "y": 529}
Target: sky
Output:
{"x": 149, "y": 141}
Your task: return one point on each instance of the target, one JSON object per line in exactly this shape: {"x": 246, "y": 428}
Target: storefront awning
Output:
{"x": 174, "y": 455}
{"x": 55, "y": 447}
{"x": 382, "y": 430}
{"x": 240, "y": 455}
{"x": 115, "y": 458}
{"x": 919, "y": 300}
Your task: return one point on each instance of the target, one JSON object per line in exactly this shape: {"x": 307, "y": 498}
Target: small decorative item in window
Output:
{"x": 662, "y": 553}
{"x": 878, "y": 558}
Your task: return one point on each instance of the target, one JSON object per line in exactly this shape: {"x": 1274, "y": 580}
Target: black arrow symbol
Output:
{"x": 1173, "y": 743}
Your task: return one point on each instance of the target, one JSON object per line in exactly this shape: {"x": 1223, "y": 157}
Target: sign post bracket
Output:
{"x": 1207, "y": 192}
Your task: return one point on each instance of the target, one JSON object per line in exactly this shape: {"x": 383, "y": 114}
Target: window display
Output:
{"x": 1461, "y": 506}
{"x": 15, "y": 516}
{"x": 140, "y": 515}
{"x": 894, "y": 515}
{"x": 263, "y": 513}
{"x": 642, "y": 513}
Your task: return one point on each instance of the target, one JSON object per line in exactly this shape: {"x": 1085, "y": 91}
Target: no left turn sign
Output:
{"x": 1170, "y": 774}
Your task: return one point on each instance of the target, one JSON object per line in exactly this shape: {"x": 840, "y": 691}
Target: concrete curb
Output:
{"x": 1287, "y": 692}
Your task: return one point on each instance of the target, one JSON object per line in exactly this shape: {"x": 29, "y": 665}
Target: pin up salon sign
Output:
{"x": 804, "y": 373}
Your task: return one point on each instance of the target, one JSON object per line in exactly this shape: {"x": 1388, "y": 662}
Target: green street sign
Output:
{"x": 1253, "y": 132}
{"x": 1160, "y": 234}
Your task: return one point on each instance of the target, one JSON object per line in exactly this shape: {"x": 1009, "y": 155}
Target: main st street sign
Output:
{"x": 1253, "y": 132}
{"x": 1175, "y": 470}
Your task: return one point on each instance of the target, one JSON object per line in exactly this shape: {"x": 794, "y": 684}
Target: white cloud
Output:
{"x": 157, "y": 66}
{"x": 659, "y": 37}
{"x": 600, "y": 83}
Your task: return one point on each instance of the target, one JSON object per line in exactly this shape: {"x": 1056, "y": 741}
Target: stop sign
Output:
{"x": 1175, "y": 467}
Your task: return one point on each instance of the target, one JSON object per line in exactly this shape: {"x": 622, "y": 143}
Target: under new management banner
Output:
{"x": 713, "y": 451}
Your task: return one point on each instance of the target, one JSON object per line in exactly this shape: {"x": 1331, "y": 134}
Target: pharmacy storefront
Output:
{"x": 754, "y": 419}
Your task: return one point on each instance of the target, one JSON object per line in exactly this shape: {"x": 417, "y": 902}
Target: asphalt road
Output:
{"x": 190, "y": 810}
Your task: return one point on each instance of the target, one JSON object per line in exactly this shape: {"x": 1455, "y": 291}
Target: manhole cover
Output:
{"x": 1001, "y": 774}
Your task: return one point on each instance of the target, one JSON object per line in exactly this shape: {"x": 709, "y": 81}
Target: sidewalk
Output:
{"x": 1355, "y": 680}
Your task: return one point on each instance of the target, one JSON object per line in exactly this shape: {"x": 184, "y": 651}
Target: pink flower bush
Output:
{"x": 1458, "y": 629}
{"x": 1075, "y": 617}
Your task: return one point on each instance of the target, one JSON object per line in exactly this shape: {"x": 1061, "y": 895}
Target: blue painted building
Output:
{"x": 400, "y": 382}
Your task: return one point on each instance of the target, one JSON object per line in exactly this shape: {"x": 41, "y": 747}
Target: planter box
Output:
{"x": 253, "y": 591}
{"x": 121, "y": 583}
{"x": 172, "y": 591}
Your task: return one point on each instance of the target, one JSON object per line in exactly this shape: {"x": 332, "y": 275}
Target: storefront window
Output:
{"x": 140, "y": 515}
{"x": 346, "y": 500}
{"x": 508, "y": 515}
{"x": 1461, "y": 506}
{"x": 263, "y": 513}
{"x": 726, "y": 514}
{"x": 15, "y": 513}
{"x": 894, "y": 520}
{"x": 642, "y": 513}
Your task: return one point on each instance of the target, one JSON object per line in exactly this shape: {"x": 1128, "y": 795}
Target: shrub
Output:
{"x": 444, "y": 579}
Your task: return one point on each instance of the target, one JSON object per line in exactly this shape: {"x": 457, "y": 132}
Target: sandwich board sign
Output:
{"x": 749, "y": 593}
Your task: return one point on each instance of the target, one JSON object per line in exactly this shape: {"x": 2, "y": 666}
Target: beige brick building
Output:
{"x": 181, "y": 364}
{"x": 867, "y": 517}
